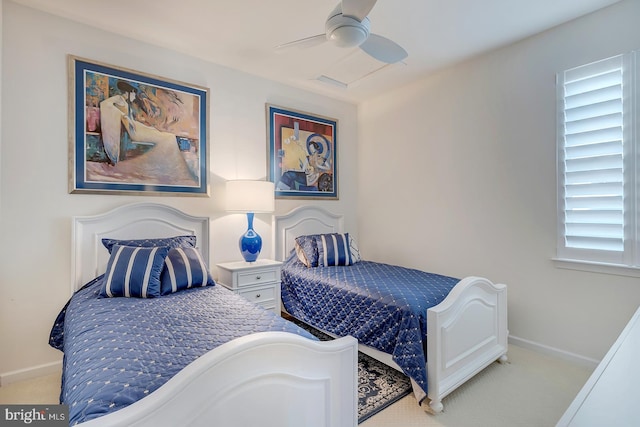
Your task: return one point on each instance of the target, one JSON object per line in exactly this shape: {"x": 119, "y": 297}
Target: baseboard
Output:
{"x": 554, "y": 352}
{"x": 30, "y": 373}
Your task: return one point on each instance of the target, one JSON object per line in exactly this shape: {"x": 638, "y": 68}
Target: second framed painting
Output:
{"x": 302, "y": 154}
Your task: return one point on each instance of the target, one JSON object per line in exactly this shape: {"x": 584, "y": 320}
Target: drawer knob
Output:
{"x": 258, "y": 277}
{"x": 257, "y": 295}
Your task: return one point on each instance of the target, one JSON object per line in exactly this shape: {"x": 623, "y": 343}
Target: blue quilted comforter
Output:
{"x": 383, "y": 306}
{"x": 118, "y": 350}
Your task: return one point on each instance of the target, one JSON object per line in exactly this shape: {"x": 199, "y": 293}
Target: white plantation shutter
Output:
{"x": 596, "y": 176}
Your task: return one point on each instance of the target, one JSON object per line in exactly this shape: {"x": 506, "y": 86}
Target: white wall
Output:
{"x": 463, "y": 166}
{"x": 36, "y": 208}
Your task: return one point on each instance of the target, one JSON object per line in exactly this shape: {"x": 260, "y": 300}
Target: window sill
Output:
{"x": 597, "y": 267}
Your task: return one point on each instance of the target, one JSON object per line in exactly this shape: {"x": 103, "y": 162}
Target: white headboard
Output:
{"x": 135, "y": 221}
{"x": 300, "y": 221}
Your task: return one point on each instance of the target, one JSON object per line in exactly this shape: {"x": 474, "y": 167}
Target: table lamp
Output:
{"x": 250, "y": 197}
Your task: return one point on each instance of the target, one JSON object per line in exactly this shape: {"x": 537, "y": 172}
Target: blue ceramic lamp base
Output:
{"x": 250, "y": 242}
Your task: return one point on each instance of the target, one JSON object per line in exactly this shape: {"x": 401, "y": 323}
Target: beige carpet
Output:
{"x": 43, "y": 390}
{"x": 532, "y": 390}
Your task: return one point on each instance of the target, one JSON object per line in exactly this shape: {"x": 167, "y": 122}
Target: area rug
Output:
{"x": 378, "y": 385}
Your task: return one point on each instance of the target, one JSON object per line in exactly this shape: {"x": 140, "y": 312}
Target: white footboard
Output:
{"x": 465, "y": 333}
{"x": 270, "y": 379}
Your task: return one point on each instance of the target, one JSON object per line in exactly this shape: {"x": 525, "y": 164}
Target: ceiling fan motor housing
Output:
{"x": 345, "y": 31}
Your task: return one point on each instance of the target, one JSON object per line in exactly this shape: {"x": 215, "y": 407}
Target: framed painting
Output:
{"x": 135, "y": 133}
{"x": 302, "y": 154}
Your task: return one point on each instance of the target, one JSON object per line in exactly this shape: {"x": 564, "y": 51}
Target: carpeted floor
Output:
{"x": 531, "y": 390}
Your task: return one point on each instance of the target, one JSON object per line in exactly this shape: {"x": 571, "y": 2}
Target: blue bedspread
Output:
{"x": 383, "y": 306}
{"x": 118, "y": 350}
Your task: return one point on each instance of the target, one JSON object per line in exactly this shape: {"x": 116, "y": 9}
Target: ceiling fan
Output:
{"x": 348, "y": 26}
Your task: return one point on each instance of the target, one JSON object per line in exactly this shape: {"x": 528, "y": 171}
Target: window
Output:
{"x": 597, "y": 151}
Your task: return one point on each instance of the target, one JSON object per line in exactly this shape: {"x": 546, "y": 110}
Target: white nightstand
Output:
{"x": 259, "y": 281}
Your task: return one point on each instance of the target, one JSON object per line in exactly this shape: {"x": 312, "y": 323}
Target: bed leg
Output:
{"x": 436, "y": 406}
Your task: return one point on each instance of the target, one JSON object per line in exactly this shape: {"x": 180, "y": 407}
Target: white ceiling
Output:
{"x": 242, "y": 34}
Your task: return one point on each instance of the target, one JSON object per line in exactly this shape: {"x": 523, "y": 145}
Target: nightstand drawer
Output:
{"x": 259, "y": 295}
{"x": 258, "y": 282}
{"x": 246, "y": 278}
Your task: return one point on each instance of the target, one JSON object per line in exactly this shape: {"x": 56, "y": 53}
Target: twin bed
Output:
{"x": 392, "y": 310}
{"x": 191, "y": 357}
{"x": 203, "y": 354}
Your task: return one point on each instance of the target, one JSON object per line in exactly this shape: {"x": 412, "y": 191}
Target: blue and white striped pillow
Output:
{"x": 334, "y": 249}
{"x": 184, "y": 269}
{"x": 134, "y": 271}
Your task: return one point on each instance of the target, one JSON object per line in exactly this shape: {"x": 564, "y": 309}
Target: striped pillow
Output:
{"x": 134, "y": 271}
{"x": 184, "y": 268}
{"x": 334, "y": 249}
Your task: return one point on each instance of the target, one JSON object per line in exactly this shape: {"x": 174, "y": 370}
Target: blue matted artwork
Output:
{"x": 134, "y": 133}
{"x": 302, "y": 151}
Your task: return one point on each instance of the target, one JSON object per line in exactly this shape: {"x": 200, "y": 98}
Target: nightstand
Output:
{"x": 258, "y": 282}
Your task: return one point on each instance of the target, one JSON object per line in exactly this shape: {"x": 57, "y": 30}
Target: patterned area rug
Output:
{"x": 378, "y": 385}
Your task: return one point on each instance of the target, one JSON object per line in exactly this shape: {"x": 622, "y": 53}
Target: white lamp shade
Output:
{"x": 250, "y": 196}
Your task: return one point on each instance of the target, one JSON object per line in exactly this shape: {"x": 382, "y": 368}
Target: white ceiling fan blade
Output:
{"x": 383, "y": 49}
{"x": 357, "y": 9}
{"x": 302, "y": 43}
